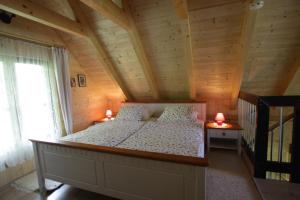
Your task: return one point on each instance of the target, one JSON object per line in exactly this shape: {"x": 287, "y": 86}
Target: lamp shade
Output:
{"x": 108, "y": 113}
{"x": 220, "y": 118}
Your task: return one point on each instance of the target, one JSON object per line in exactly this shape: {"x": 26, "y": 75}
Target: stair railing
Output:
{"x": 256, "y": 135}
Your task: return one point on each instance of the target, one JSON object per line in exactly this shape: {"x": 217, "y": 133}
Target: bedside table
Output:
{"x": 226, "y": 137}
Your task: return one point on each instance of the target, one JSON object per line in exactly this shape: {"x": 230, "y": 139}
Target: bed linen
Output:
{"x": 177, "y": 137}
{"x": 109, "y": 133}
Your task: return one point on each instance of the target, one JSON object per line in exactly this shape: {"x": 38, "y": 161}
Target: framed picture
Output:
{"x": 81, "y": 80}
{"x": 73, "y": 82}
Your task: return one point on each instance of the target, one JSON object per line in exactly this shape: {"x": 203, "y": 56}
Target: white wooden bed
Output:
{"x": 122, "y": 173}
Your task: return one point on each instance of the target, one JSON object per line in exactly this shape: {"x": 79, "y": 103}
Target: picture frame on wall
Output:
{"x": 81, "y": 80}
{"x": 73, "y": 82}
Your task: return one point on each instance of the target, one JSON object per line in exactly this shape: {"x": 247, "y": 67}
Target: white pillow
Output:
{"x": 133, "y": 113}
{"x": 179, "y": 113}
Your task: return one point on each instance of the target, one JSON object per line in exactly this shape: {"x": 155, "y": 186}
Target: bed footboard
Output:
{"x": 119, "y": 176}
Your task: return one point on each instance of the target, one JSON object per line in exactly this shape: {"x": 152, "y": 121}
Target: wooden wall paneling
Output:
{"x": 294, "y": 88}
{"x": 104, "y": 57}
{"x": 117, "y": 43}
{"x": 37, "y": 13}
{"x": 204, "y": 4}
{"x": 190, "y": 61}
{"x": 215, "y": 33}
{"x": 89, "y": 103}
{"x": 162, "y": 32}
{"x": 140, "y": 51}
{"x": 274, "y": 48}
{"x": 288, "y": 76}
{"x": 88, "y": 58}
{"x": 125, "y": 20}
{"x": 244, "y": 45}
{"x": 181, "y": 8}
{"x": 182, "y": 12}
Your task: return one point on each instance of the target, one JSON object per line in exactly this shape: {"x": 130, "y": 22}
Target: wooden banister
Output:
{"x": 251, "y": 98}
{"x": 285, "y": 119}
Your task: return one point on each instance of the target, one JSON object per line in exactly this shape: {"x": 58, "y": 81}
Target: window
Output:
{"x": 34, "y": 101}
{"x": 29, "y": 104}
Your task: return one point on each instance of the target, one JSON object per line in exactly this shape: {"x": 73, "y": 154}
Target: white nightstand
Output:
{"x": 227, "y": 137}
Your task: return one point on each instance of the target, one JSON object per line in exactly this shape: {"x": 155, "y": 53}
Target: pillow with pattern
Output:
{"x": 179, "y": 113}
{"x": 133, "y": 113}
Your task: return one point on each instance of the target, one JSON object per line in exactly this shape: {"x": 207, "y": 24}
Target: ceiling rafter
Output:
{"x": 103, "y": 55}
{"x": 124, "y": 18}
{"x": 37, "y": 13}
{"x": 245, "y": 40}
{"x": 182, "y": 12}
{"x": 288, "y": 76}
{"x": 110, "y": 10}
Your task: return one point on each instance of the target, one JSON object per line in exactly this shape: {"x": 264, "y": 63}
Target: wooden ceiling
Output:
{"x": 177, "y": 49}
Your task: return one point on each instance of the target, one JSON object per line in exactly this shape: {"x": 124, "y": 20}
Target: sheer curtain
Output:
{"x": 61, "y": 63}
{"x": 29, "y": 104}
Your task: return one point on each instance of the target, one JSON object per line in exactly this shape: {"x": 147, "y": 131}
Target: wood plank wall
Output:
{"x": 274, "y": 48}
{"x": 216, "y": 28}
{"x": 117, "y": 43}
{"x": 163, "y": 33}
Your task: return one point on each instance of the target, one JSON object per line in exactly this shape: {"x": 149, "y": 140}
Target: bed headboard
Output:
{"x": 158, "y": 108}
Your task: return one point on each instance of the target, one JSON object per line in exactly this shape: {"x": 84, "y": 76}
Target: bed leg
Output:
{"x": 40, "y": 175}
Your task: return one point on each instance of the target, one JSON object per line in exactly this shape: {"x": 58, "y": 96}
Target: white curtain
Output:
{"x": 61, "y": 63}
{"x": 29, "y": 103}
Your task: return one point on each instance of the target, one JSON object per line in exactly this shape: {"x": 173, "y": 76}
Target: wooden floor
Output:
{"x": 66, "y": 192}
{"x": 227, "y": 179}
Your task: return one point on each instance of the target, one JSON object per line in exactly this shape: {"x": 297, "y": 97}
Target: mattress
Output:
{"x": 110, "y": 133}
{"x": 179, "y": 138}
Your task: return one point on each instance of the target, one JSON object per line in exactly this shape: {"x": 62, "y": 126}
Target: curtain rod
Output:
{"x": 27, "y": 39}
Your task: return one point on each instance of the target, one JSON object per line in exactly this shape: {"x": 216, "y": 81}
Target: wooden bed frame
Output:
{"x": 122, "y": 173}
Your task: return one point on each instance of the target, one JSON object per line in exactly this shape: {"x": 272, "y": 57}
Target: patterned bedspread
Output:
{"x": 179, "y": 138}
{"x": 109, "y": 133}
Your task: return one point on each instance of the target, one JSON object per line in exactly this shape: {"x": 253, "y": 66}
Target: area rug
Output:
{"x": 228, "y": 178}
{"x": 29, "y": 183}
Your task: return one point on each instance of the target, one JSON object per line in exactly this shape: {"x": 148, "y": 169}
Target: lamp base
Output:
{"x": 219, "y": 123}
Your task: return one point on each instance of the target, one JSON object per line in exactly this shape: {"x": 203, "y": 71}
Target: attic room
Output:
{"x": 149, "y": 99}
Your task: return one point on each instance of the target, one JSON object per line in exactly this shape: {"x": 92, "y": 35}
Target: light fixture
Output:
{"x": 108, "y": 114}
{"x": 220, "y": 118}
{"x": 6, "y": 17}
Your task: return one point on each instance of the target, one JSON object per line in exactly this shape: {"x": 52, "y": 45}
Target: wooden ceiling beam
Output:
{"x": 124, "y": 18}
{"x": 182, "y": 12}
{"x": 244, "y": 45}
{"x": 110, "y": 10}
{"x": 37, "y": 13}
{"x": 140, "y": 51}
{"x": 288, "y": 77}
{"x": 180, "y": 8}
{"x": 103, "y": 55}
